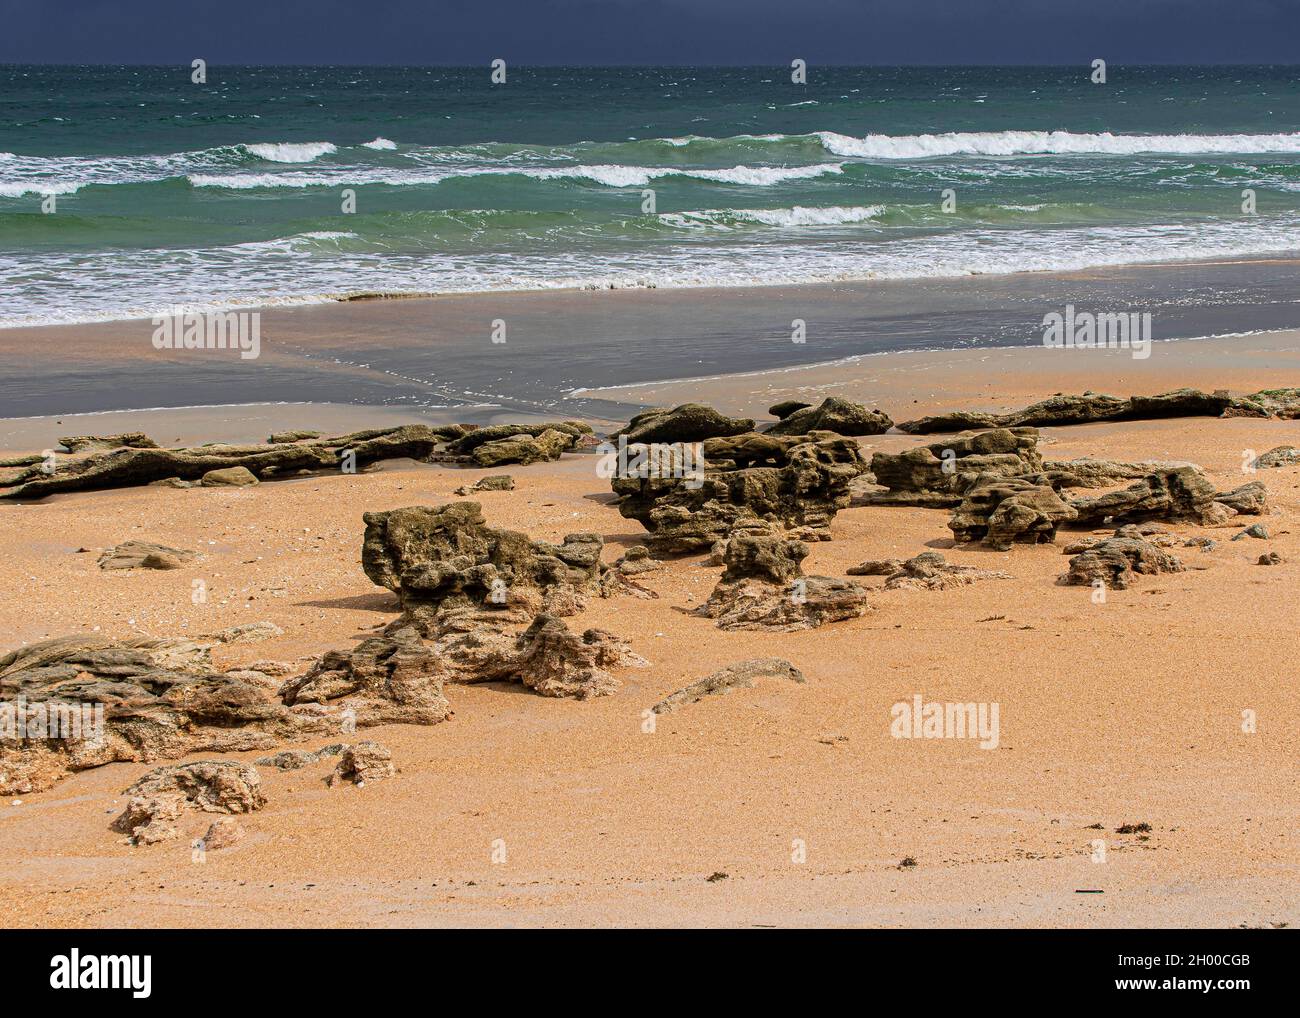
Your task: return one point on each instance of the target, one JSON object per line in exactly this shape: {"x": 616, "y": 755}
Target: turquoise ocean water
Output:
{"x": 172, "y": 193}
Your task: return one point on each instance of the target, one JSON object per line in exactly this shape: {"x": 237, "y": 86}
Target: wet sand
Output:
{"x": 435, "y": 354}
{"x": 1120, "y": 713}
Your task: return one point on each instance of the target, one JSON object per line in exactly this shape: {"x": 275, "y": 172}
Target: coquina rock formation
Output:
{"x": 782, "y": 482}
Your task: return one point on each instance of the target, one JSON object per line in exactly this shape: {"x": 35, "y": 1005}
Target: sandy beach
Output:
{"x": 779, "y": 805}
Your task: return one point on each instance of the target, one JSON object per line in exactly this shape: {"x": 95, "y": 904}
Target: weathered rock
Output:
{"x": 926, "y": 571}
{"x": 295, "y": 759}
{"x": 1001, "y": 512}
{"x": 1094, "y": 473}
{"x": 550, "y": 659}
{"x": 288, "y": 760}
{"x": 130, "y": 465}
{"x": 523, "y": 449}
{"x": 1248, "y": 500}
{"x": 447, "y": 556}
{"x": 1281, "y": 456}
{"x": 1116, "y": 560}
{"x": 289, "y": 437}
{"x": 247, "y": 632}
{"x": 223, "y": 833}
{"x": 471, "y": 440}
{"x": 637, "y": 559}
{"x": 161, "y": 699}
{"x": 126, "y": 440}
{"x": 1271, "y": 558}
{"x": 763, "y": 587}
{"x": 690, "y": 422}
{"x": 213, "y": 786}
{"x": 149, "y": 819}
{"x": 495, "y": 482}
{"x": 1089, "y": 408}
{"x": 229, "y": 477}
{"x": 383, "y": 680}
{"x": 738, "y": 676}
{"x": 1282, "y": 403}
{"x": 1255, "y": 530}
{"x": 1180, "y": 494}
{"x": 836, "y": 415}
{"x": 748, "y": 480}
{"x": 939, "y": 474}
{"x": 366, "y": 761}
{"x": 876, "y": 567}
{"x": 785, "y": 408}
{"x": 143, "y": 555}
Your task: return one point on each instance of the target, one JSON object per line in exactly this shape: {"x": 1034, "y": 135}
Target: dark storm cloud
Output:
{"x": 650, "y": 31}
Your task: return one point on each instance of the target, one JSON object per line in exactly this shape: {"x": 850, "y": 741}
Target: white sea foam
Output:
{"x": 382, "y": 144}
{"x": 832, "y": 215}
{"x": 49, "y": 287}
{"x": 292, "y": 152}
{"x": 1015, "y": 143}
{"x": 606, "y": 174}
{"x": 799, "y": 215}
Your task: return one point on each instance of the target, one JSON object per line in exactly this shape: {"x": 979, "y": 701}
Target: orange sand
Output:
{"x": 1128, "y": 711}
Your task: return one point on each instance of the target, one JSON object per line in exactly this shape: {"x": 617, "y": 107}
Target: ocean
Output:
{"x": 168, "y": 193}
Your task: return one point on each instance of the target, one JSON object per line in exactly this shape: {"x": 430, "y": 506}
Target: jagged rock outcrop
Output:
{"x": 547, "y": 657}
{"x": 496, "y": 482}
{"x": 382, "y": 680}
{"x": 1095, "y": 473}
{"x": 84, "y": 701}
{"x": 690, "y": 422}
{"x": 738, "y": 676}
{"x": 213, "y": 786}
{"x": 763, "y": 587}
{"x": 143, "y": 555}
{"x": 836, "y": 415}
{"x": 149, "y": 819}
{"x": 999, "y": 513}
{"x": 748, "y": 481}
{"x": 1250, "y": 499}
{"x": 132, "y": 465}
{"x": 939, "y": 474}
{"x": 523, "y": 449}
{"x": 436, "y": 557}
{"x": 1182, "y": 494}
{"x": 926, "y": 571}
{"x": 1093, "y": 407}
{"x": 160, "y": 798}
{"x": 367, "y": 761}
{"x": 1115, "y": 561}
{"x": 1281, "y": 403}
{"x": 1089, "y": 408}
{"x": 466, "y": 444}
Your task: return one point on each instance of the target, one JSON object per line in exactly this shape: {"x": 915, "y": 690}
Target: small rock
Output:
{"x": 143, "y": 555}
{"x": 236, "y": 477}
{"x": 223, "y": 833}
{"x": 1256, "y": 530}
{"x": 1271, "y": 559}
{"x": 366, "y": 761}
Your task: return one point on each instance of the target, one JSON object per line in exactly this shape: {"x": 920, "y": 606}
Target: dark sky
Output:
{"x": 650, "y": 31}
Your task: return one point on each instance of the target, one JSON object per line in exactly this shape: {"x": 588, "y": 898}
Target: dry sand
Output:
{"x": 1124, "y": 712}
